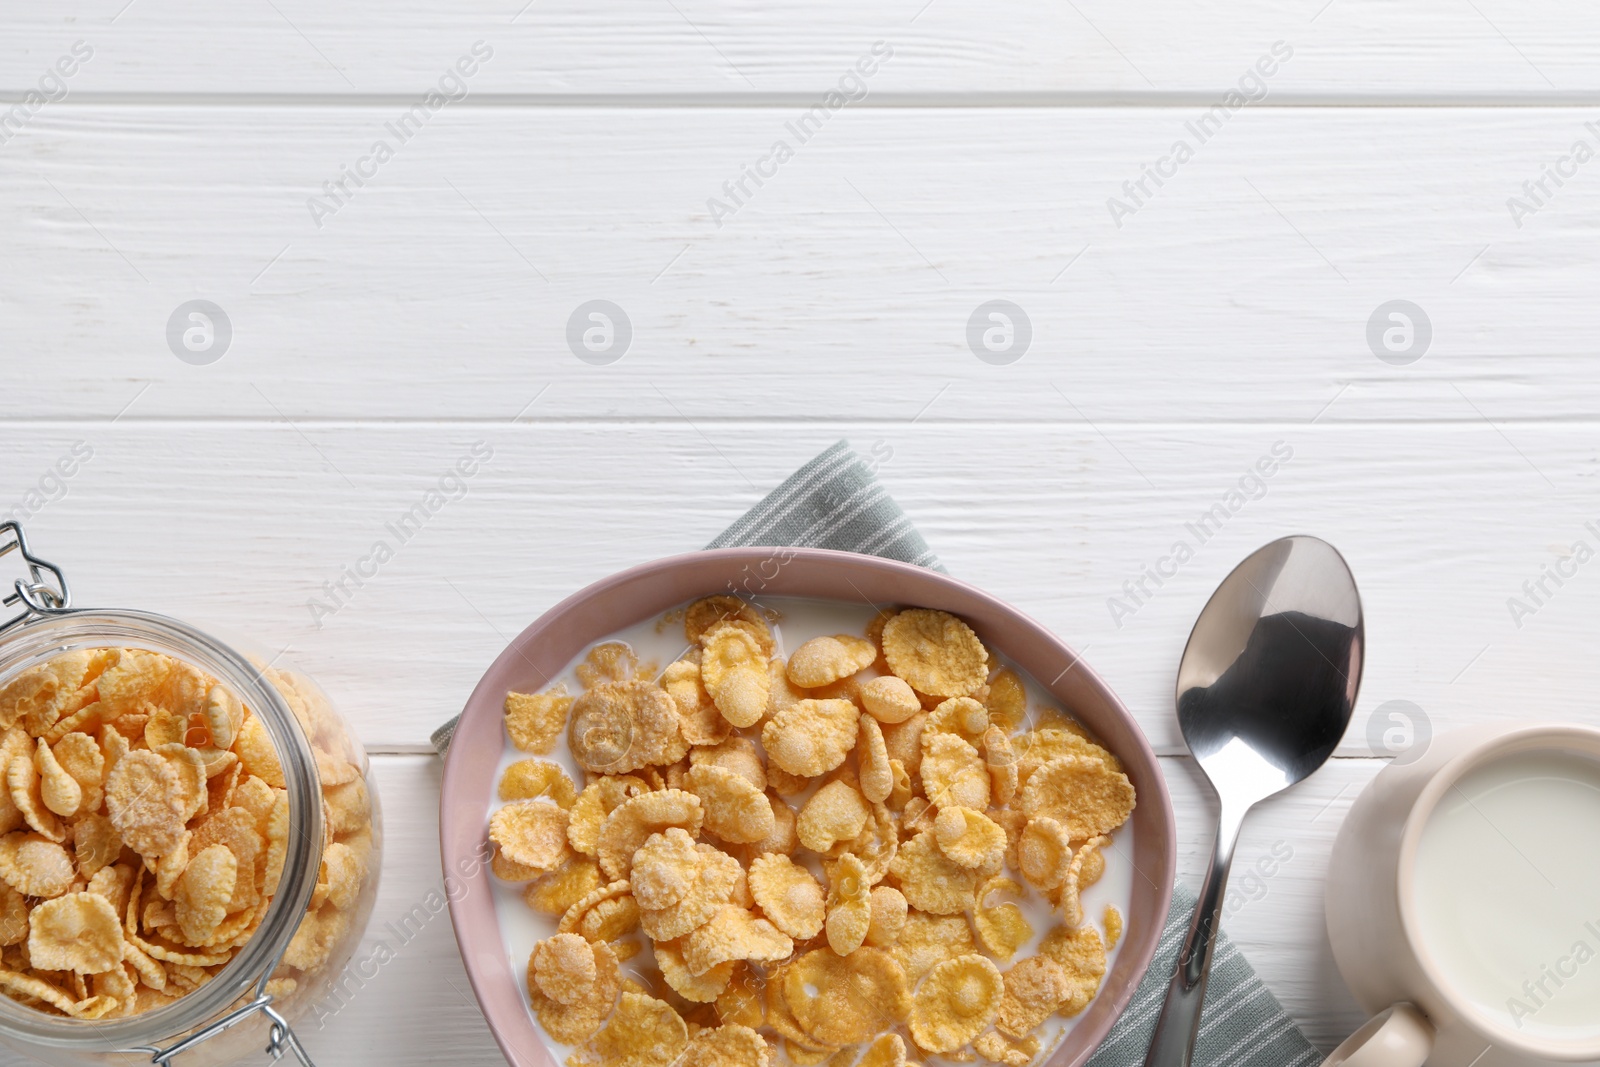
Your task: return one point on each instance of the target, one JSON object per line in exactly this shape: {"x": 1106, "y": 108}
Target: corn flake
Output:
{"x": 145, "y": 801}
{"x": 930, "y": 880}
{"x": 843, "y": 1000}
{"x": 610, "y": 920}
{"x": 563, "y": 968}
{"x": 26, "y": 789}
{"x": 530, "y": 779}
{"x": 1084, "y": 794}
{"x": 935, "y": 652}
{"x": 699, "y": 720}
{"x": 1082, "y": 955}
{"x": 875, "y": 767}
{"x": 700, "y": 989}
{"x": 621, "y": 726}
{"x": 556, "y": 892}
{"x": 835, "y": 813}
{"x": 1035, "y": 988}
{"x": 734, "y": 934}
{"x": 953, "y": 773}
{"x": 1044, "y": 744}
{"x": 1113, "y": 923}
{"x": 849, "y": 906}
{"x": 889, "y": 910}
{"x": 78, "y": 932}
{"x": 575, "y": 1021}
{"x": 956, "y": 1002}
{"x": 58, "y": 790}
{"x": 664, "y": 869}
{"x": 256, "y": 753}
{"x": 709, "y": 885}
{"x": 824, "y": 660}
{"x": 734, "y": 669}
{"x": 970, "y": 838}
{"x": 728, "y": 1045}
{"x": 191, "y": 773}
{"x": 609, "y": 661}
{"x": 886, "y": 1050}
{"x": 1071, "y": 903}
{"x": 1001, "y": 760}
{"x": 635, "y": 819}
{"x": 1011, "y": 1052}
{"x": 735, "y": 809}
{"x": 1007, "y": 700}
{"x": 535, "y": 720}
{"x": 642, "y": 1032}
{"x": 710, "y": 612}
{"x": 13, "y": 916}
{"x": 598, "y": 799}
{"x": 1001, "y": 926}
{"x": 811, "y": 737}
{"x": 80, "y": 757}
{"x": 532, "y": 833}
{"x": 968, "y": 719}
{"x": 1044, "y": 853}
{"x": 202, "y": 895}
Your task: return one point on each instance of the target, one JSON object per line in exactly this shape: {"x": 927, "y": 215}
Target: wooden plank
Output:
{"x": 1349, "y": 49}
{"x": 239, "y": 525}
{"x": 1242, "y": 290}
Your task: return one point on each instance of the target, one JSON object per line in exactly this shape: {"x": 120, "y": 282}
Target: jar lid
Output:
{"x": 45, "y": 619}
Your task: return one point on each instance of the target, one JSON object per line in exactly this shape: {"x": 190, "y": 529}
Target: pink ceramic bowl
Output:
{"x": 545, "y": 648}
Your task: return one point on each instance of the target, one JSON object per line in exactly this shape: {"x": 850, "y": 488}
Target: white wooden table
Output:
{"x": 1178, "y": 334}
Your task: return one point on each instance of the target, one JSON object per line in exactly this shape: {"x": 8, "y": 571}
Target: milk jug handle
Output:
{"x": 1395, "y": 1037}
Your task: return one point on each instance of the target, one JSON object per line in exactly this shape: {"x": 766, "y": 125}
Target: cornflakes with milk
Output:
{"x": 826, "y": 849}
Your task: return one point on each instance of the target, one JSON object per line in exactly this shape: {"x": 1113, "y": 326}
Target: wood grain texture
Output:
{"x": 1227, "y": 314}
{"x": 1350, "y": 49}
{"x": 1241, "y": 291}
{"x": 239, "y": 525}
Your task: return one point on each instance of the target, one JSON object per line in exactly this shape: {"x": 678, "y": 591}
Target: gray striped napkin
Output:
{"x": 836, "y": 502}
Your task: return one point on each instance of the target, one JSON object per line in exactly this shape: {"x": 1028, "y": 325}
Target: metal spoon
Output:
{"x": 1265, "y": 691}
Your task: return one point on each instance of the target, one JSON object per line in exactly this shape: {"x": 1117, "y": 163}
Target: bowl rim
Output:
{"x": 605, "y": 606}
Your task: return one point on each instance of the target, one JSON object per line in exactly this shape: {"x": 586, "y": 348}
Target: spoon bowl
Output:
{"x": 1265, "y": 691}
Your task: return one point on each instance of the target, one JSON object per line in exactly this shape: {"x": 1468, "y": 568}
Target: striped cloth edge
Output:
{"x": 835, "y": 501}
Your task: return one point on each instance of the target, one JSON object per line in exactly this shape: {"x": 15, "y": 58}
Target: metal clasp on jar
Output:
{"x": 42, "y": 590}
{"x": 280, "y": 1040}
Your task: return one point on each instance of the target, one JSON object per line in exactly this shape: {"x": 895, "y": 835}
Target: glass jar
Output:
{"x": 304, "y": 925}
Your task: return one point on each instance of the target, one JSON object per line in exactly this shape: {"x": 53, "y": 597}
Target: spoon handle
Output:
{"x": 1179, "y": 1024}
